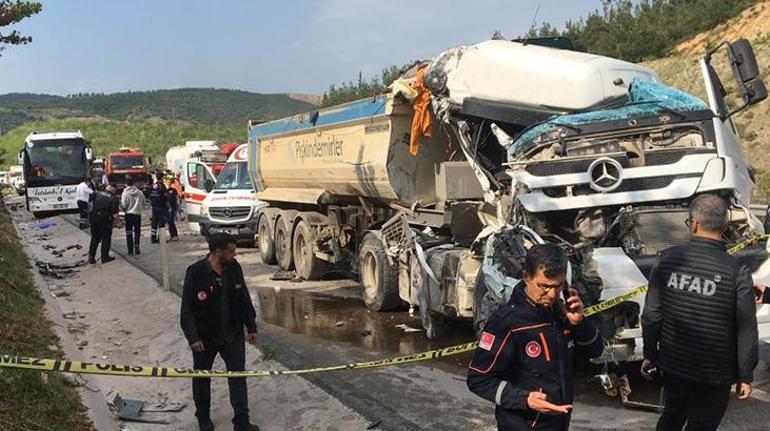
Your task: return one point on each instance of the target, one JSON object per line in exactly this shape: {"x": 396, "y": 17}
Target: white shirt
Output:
{"x": 83, "y": 192}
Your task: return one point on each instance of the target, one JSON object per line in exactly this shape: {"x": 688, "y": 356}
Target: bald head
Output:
{"x": 710, "y": 211}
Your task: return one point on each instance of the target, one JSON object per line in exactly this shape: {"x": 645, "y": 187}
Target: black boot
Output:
{"x": 205, "y": 424}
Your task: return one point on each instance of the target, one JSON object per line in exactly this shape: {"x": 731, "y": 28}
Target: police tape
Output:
{"x": 610, "y": 303}
{"x": 76, "y": 367}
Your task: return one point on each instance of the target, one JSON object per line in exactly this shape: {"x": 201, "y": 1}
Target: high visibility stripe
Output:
{"x": 545, "y": 348}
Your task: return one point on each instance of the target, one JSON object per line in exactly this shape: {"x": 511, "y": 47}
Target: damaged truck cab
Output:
{"x": 432, "y": 192}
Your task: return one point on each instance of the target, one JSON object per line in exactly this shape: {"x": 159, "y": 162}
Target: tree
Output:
{"x": 11, "y": 12}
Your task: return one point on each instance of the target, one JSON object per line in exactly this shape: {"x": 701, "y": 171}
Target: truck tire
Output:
{"x": 282, "y": 244}
{"x": 379, "y": 277}
{"x": 265, "y": 240}
{"x": 306, "y": 264}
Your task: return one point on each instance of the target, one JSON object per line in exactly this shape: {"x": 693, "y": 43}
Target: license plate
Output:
{"x": 57, "y": 206}
{"x": 231, "y": 231}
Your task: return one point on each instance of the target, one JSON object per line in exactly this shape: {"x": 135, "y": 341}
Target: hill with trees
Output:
{"x": 197, "y": 105}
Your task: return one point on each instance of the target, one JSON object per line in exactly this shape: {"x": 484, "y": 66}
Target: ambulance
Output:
{"x": 230, "y": 207}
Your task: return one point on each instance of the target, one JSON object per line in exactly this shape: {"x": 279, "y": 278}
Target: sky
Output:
{"x": 298, "y": 46}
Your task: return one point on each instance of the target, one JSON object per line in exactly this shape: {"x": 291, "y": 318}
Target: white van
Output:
{"x": 231, "y": 205}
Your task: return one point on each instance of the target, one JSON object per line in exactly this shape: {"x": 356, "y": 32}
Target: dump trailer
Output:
{"x": 433, "y": 192}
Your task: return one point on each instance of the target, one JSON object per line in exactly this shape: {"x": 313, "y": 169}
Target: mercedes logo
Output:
{"x": 228, "y": 212}
{"x": 606, "y": 174}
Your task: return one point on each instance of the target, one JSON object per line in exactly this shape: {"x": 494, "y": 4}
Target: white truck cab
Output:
{"x": 231, "y": 205}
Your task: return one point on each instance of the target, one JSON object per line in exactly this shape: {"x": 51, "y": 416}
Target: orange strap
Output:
{"x": 421, "y": 122}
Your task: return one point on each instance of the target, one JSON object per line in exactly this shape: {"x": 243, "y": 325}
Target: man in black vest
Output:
{"x": 699, "y": 323}
{"x": 216, "y": 306}
{"x": 103, "y": 209}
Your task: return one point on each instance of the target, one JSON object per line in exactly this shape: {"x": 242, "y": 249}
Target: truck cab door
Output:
{"x": 196, "y": 175}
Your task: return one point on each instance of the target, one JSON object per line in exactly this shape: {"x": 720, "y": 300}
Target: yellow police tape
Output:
{"x": 55, "y": 365}
{"x": 9, "y": 361}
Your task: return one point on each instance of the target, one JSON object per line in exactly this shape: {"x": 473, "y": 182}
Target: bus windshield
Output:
{"x": 55, "y": 161}
{"x": 234, "y": 176}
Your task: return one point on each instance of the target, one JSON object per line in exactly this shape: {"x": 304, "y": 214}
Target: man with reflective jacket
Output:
{"x": 524, "y": 360}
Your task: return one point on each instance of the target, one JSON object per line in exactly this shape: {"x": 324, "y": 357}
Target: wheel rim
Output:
{"x": 301, "y": 247}
{"x": 280, "y": 245}
{"x": 263, "y": 240}
{"x": 369, "y": 275}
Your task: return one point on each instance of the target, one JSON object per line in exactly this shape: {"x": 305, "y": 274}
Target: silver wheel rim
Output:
{"x": 263, "y": 239}
{"x": 369, "y": 275}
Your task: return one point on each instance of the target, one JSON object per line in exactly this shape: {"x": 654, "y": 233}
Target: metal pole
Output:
{"x": 164, "y": 258}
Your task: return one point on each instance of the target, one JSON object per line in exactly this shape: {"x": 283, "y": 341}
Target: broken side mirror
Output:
{"x": 208, "y": 185}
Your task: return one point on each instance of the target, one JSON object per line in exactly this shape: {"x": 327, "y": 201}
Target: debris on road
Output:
{"x": 340, "y": 323}
{"x": 282, "y": 275}
{"x": 407, "y": 328}
{"x": 374, "y": 425}
{"x": 58, "y": 271}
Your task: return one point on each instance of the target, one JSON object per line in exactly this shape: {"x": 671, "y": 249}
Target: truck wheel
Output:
{"x": 307, "y": 265}
{"x": 282, "y": 243}
{"x": 265, "y": 241}
{"x": 379, "y": 277}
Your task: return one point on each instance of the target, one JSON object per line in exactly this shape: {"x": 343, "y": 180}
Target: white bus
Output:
{"x": 54, "y": 164}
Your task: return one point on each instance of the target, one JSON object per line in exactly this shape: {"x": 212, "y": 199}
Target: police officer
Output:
{"x": 158, "y": 207}
{"x": 103, "y": 209}
{"x": 699, "y": 323}
{"x": 215, "y": 308}
{"x": 524, "y": 359}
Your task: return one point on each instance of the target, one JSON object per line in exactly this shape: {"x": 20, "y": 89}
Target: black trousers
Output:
{"x": 83, "y": 210}
{"x": 133, "y": 232}
{"x": 172, "y": 222}
{"x": 157, "y": 221}
{"x": 101, "y": 232}
{"x": 234, "y": 355}
{"x": 698, "y": 405}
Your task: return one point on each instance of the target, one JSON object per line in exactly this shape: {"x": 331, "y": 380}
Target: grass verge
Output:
{"x": 29, "y": 400}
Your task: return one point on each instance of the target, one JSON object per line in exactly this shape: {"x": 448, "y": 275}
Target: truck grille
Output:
{"x": 651, "y": 158}
{"x": 229, "y": 213}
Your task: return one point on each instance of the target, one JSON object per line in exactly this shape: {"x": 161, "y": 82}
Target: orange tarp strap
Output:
{"x": 421, "y": 122}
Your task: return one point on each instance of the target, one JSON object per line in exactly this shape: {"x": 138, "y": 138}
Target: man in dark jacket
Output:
{"x": 103, "y": 210}
{"x": 524, "y": 360}
{"x": 172, "y": 196}
{"x": 216, "y": 306}
{"x": 158, "y": 207}
{"x": 699, "y": 323}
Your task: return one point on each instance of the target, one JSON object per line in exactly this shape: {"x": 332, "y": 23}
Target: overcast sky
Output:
{"x": 268, "y": 47}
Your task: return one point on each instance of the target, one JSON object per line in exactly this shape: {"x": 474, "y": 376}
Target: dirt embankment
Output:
{"x": 681, "y": 70}
{"x": 29, "y": 400}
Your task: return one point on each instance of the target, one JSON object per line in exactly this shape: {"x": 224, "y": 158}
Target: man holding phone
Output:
{"x": 524, "y": 360}
{"x": 699, "y": 323}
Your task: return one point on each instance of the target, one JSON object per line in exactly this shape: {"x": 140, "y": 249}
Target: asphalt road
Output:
{"x": 311, "y": 324}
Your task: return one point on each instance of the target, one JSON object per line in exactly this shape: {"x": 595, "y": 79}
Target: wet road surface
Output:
{"x": 313, "y": 324}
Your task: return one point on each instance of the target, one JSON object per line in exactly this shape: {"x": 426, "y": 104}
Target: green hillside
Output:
{"x": 198, "y": 105}
{"x": 153, "y": 136}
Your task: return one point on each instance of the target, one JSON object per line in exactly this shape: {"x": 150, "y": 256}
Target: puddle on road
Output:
{"x": 348, "y": 320}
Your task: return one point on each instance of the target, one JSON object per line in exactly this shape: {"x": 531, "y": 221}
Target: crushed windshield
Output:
{"x": 126, "y": 162}
{"x": 234, "y": 176}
